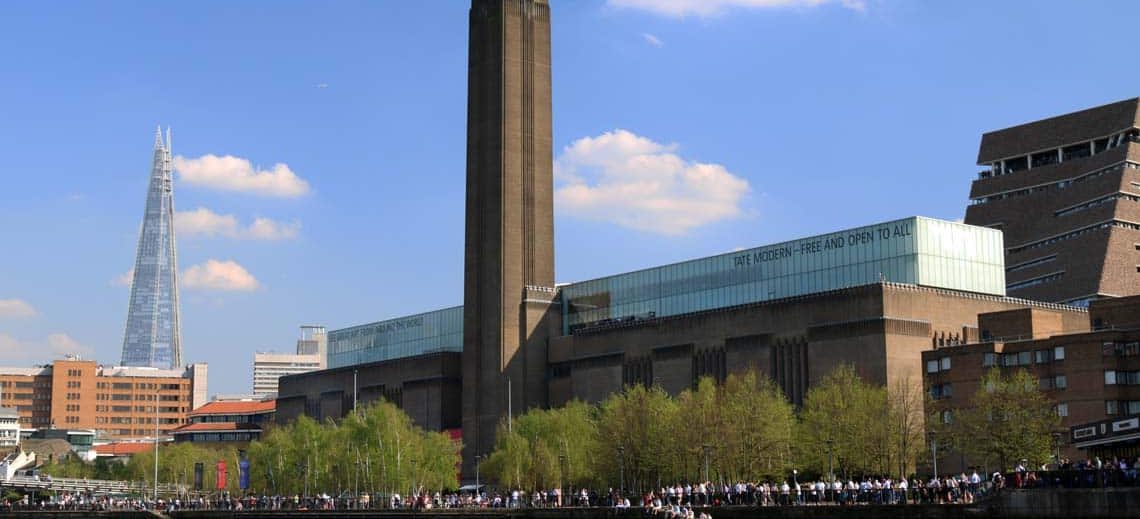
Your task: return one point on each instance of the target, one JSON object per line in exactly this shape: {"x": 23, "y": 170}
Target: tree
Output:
{"x": 1011, "y": 419}
{"x": 849, "y": 413}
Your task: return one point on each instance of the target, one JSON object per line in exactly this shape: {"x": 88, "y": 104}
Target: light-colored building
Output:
{"x": 310, "y": 356}
{"x": 9, "y": 427}
{"x": 123, "y": 402}
{"x": 314, "y": 341}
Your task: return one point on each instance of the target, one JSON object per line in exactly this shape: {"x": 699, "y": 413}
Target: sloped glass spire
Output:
{"x": 153, "y": 334}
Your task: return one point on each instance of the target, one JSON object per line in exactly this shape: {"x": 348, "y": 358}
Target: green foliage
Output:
{"x": 746, "y": 422}
{"x": 1011, "y": 420}
{"x": 376, "y": 450}
{"x": 531, "y": 451}
{"x": 864, "y": 429}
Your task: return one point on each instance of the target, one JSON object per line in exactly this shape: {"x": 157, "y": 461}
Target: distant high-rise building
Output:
{"x": 153, "y": 335}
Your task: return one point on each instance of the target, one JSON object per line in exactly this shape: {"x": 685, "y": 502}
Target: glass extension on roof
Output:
{"x": 429, "y": 332}
{"x": 916, "y": 250}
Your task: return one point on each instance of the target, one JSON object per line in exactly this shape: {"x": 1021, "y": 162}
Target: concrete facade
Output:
{"x": 509, "y": 251}
{"x": 427, "y": 387}
{"x": 1066, "y": 193}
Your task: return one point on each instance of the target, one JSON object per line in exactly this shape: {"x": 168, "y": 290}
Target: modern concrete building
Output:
{"x": 1066, "y": 193}
{"x": 153, "y": 335}
{"x": 124, "y": 402}
{"x": 509, "y": 253}
{"x": 1090, "y": 369}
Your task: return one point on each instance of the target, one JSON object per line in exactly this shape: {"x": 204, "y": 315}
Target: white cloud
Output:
{"x": 215, "y": 275}
{"x": 623, "y": 178}
{"x": 652, "y": 40}
{"x": 204, "y": 222}
{"x": 16, "y": 309}
{"x": 55, "y": 346}
{"x": 706, "y": 8}
{"x": 229, "y": 173}
{"x": 124, "y": 279}
{"x": 61, "y": 344}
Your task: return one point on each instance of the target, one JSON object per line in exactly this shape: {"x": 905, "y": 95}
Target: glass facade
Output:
{"x": 917, "y": 250}
{"x": 429, "y": 332}
{"x": 153, "y": 336}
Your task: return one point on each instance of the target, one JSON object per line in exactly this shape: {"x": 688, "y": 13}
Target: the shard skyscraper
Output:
{"x": 153, "y": 335}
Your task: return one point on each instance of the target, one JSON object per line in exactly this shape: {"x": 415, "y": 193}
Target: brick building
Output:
{"x": 122, "y": 401}
{"x": 1091, "y": 372}
{"x": 1066, "y": 193}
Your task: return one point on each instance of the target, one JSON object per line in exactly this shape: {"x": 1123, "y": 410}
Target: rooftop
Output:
{"x": 227, "y": 407}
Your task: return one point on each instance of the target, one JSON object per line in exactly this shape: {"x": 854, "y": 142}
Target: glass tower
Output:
{"x": 153, "y": 335}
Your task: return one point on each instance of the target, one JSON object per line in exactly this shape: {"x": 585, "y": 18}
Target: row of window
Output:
{"x": 1060, "y": 184}
{"x": 1023, "y": 358}
{"x": 1057, "y": 155}
{"x": 1061, "y": 409}
{"x": 74, "y": 372}
{"x": 1125, "y": 407}
{"x": 1097, "y": 202}
{"x": 137, "y": 385}
{"x": 1053, "y": 382}
{"x": 149, "y": 398}
{"x": 1031, "y": 263}
{"x": 1073, "y": 234}
{"x": 1121, "y": 349}
{"x": 936, "y": 365}
{"x": 1039, "y": 280}
{"x": 1121, "y": 378}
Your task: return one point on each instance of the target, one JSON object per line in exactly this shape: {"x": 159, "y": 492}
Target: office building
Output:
{"x": 153, "y": 335}
{"x": 1091, "y": 371}
{"x": 268, "y": 367}
{"x": 311, "y": 355}
{"x": 1066, "y": 193}
{"x": 124, "y": 402}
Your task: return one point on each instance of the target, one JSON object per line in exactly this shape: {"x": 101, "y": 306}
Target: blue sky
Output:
{"x": 741, "y": 122}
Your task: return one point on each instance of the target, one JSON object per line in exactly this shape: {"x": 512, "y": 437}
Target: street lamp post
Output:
{"x": 795, "y": 486}
{"x": 621, "y": 463}
{"x": 706, "y": 448}
{"x": 561, "y": 477}
{"x": 830, "y": 468}
{"x": 934, "y": 454}
{"x": 478, "y": 494}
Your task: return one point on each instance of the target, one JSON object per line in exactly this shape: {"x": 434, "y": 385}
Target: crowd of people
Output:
{"x": 677, "y": 501}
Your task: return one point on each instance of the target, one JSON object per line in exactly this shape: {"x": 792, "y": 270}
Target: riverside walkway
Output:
{"x": 97, "y": 487}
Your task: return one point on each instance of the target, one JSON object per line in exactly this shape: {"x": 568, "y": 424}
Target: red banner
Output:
{"x": 221, "y": 475}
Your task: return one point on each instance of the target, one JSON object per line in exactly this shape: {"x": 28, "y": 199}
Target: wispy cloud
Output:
{"x": 630, "y": 180}
{"x": 229, "y": 173}
{"x": 707, "y": 8}
{"x": 38, "y": 351}
{"x": 204, "y": 222}
{"x": 124, "y": 279}
{"x": 652, "y": 40}
{"x": 16, "y": 309}
{"x": 222, "y": 276}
